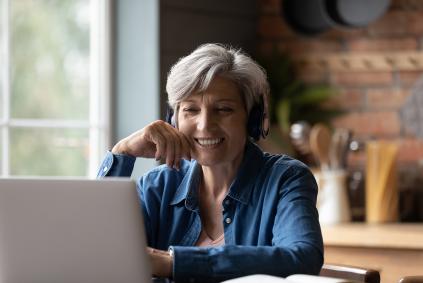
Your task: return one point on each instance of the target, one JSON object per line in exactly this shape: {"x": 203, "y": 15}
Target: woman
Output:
{"x": 220, "y": 207}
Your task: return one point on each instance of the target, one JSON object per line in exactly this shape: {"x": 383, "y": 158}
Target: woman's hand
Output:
{"x": 161, "y": 263}
{"x": 157, "y": 140}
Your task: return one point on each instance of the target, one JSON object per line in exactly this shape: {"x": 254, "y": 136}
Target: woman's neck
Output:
{"x": 217, "y": 179}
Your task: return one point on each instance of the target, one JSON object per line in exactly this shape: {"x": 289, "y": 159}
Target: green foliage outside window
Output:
{"x": 49, "y": 59}
{"x": 52, "y": 152}
{"x": 49, "y": 79}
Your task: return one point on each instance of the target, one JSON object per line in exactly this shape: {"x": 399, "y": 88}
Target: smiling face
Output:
{"x": 215, "y": 120}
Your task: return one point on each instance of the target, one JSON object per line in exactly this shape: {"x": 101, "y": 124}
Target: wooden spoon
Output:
{"x": 320, "y": 140}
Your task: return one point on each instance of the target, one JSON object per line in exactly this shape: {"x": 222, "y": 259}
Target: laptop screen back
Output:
{"x": 71, "y": 231}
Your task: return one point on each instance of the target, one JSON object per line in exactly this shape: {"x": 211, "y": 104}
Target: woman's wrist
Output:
{"x": 170, "y": 266}
{"x": 171, "y": 259}
{"x": 120, "y": 148}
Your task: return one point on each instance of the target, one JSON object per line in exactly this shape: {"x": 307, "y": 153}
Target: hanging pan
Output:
{"x": 356, "y": 13}
{"x": 311, "y": 17}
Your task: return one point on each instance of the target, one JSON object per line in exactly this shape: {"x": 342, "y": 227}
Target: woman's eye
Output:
{"x": 190, "y": 110}
{"x": 224, "y": 109}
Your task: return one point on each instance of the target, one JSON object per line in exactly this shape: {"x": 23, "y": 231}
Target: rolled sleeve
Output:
{"x": 191, "y": 264}
{"x": 116, "y": 165}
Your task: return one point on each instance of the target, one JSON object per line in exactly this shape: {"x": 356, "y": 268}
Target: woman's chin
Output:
{"x": 208, "y": 160}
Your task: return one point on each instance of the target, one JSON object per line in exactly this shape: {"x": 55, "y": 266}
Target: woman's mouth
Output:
{"x": 207, "y": 142}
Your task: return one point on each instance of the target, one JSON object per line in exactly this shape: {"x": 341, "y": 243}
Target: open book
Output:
{"x": 296, "y": 278}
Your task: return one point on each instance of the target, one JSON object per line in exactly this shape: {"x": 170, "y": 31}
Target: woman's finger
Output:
{"x": 186, "y": 146}
{"x": 169, "y": 140}
{"x": 178, "y": 151}
{"x": 159, "y": 140}
{"x": 170, "y": 144}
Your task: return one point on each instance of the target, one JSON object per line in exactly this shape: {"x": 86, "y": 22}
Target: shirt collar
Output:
{"x": 240, "y": 189}
{"x": 188, "y": 189}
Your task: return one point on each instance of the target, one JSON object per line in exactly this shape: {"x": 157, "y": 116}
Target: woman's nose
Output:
{"x": 205, "y": 120}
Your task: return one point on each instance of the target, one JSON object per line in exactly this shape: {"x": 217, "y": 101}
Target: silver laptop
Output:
{"x": 60, "y": 231}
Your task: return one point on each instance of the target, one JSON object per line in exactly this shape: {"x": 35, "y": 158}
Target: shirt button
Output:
{"x": 228, "y": 220}
{"x": 105, "y": 169}
{"x": 227, "y": 202}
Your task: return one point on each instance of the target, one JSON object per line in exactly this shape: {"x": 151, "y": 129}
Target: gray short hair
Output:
{"x": 195, "y": 72}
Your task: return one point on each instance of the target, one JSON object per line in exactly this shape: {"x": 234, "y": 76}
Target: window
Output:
{"x": 54, "y": 86}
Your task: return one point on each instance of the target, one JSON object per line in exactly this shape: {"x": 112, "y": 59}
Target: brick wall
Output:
{"x": 371, "y": 99}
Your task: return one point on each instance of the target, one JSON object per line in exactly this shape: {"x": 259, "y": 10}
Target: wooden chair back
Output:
{"x": 411, "y": 279}
{"x": 352, "y": 273}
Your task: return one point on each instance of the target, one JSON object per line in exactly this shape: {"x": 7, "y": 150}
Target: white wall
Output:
{"x": 136, "y": 69}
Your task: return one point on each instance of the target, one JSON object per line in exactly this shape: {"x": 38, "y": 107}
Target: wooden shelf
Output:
{"x": 364, "y": 61}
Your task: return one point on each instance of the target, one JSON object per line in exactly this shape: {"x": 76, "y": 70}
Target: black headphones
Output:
{"x": 169, "y": 116}
{"x": 255, "y": 122}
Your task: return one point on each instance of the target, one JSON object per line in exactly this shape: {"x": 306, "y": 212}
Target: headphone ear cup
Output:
{"x": 255, "y": 122}
{"x": 169, "y": 116}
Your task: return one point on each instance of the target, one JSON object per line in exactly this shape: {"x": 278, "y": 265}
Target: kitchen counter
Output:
{"x": 396, "y": 250}
{"x": 401, "y": 236}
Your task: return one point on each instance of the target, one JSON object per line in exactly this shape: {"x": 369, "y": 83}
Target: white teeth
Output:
{"x": 208, "y": 142}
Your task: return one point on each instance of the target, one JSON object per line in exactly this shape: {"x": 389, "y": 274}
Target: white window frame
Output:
{"x": 99, "y": 122}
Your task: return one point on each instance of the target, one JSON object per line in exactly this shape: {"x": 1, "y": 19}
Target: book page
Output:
{"x": 302, "y": 278}
{"x": 296, "y": 278}
{"x": 262, "y": 278}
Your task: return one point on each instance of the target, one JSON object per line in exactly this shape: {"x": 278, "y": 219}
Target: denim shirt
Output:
{"x": 269, "y": 217}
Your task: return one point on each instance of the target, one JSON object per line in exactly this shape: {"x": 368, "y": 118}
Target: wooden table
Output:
{"x": 396, "y": 250}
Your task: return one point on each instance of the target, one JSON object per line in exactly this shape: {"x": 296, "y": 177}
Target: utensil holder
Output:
{"x": 381, "y": 182}
{"x": 332, "y": 200}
